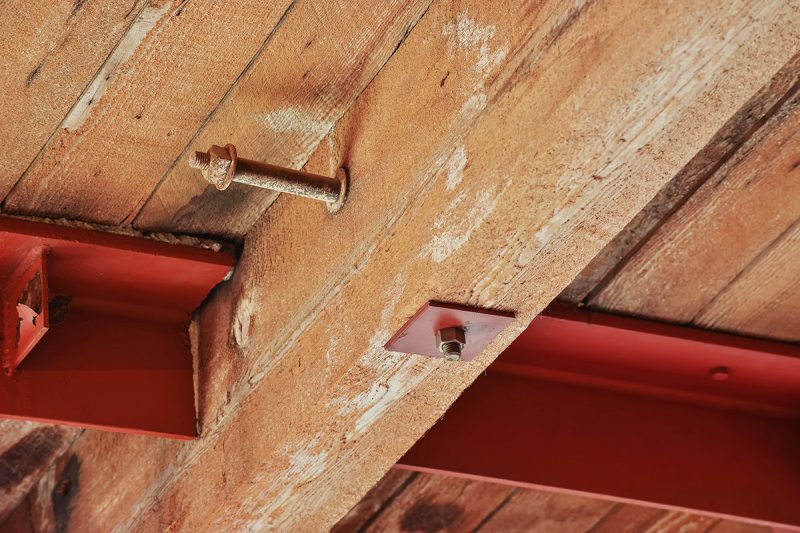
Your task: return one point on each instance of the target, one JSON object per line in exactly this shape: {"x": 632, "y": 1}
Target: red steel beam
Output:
{"x": 116, "y": 354}
{"x": 635, "y": 411}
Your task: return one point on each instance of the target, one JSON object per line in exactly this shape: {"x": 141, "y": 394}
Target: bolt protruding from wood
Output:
{"x": 450, "y": 342}
{"x": 220, "y": 166}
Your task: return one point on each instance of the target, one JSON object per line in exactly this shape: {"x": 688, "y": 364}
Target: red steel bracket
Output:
{"x": 635, "y": 411}
{"x": 23, "y": 309}
{"x": 95, "y": 327}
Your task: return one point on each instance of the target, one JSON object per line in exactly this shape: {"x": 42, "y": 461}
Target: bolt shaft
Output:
{"x": 287, "y": 180}
{"x": 221, "y": 165}
{"x": 451, "y": 350}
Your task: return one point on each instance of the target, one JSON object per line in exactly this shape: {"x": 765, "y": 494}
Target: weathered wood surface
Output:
{"x": 737, "y": 225}
{"x": 517, "y": 151}
{"x": 379, "y": 497}
{"x": 441, "y": 503}
{"x": 433, "y": 503}
{"x": 319, "y": 60}
{"x": 27, "y": 452}
{"x": 46, "y": 509}
{"x": 729, "y": 140}
{"x": 764, "y": 299}
{"x": 165, "y": 76}
{"x": 49, "y": 52}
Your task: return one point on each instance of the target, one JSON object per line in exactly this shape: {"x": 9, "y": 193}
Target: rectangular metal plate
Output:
{"x": 418, "y": 335}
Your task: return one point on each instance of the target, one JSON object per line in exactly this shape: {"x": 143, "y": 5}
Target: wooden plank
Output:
{"x": 536, "y": 511}
{"x": 729, "y": 526}
{"x": 301, "y": 409}
{"x": 27, "y": 451}
{"x": 378, "y": 497}
{"x": 282, "y": 108}
{"x": 728, "y": 140}
{"x": 436, "y": 503}
{"x": 164, "y": 78}
{"x": 629, "y": 518}
{"x": 678, "y": 522}
{"x": 732, "y": 219}
{"x": 764, "y": 299}
{"x": 48, "y": 54}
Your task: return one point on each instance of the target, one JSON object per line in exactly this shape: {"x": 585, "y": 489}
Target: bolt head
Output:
{"x": 447, "y": 335}
{"x": 218, "y": 166}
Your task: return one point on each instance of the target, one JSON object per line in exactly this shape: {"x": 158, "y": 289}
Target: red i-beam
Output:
{"x": 632, "y": 410}
{"x": 94, "y": 327}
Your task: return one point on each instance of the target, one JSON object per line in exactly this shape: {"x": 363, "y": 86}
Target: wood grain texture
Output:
{"x": 27, "y": 451}
{"x": 440, "y": 503}
{"x": 724, "y": 145}
{"x": 49, "y": 52}
{"x": 379, "y": 497}
{"x": 543, "y": 512}
{"x": 764, "y": 299}
{"x": 168, "y": 73}
{"x": 317, "y": 63}
{"x": 707, "y": 244}
{"x": 521, "y": 510}
{"x": 301, "y": 409}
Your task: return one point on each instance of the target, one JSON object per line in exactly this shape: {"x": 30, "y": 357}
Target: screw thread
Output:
{"x": 451, "y": 350}
{"x": 200, "y": 160}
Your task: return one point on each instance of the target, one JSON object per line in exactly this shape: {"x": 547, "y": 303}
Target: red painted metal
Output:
{"x": 632, "y": 410}
{"x": 418, "y": 335}
{"x": 23, "y": 309}
{"x": 116, "y": 355}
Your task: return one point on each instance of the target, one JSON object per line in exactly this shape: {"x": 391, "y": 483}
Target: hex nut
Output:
{"x": 450, "y": 342}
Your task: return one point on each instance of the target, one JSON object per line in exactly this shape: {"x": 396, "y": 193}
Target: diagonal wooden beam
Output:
{"x": 491, "y": 159}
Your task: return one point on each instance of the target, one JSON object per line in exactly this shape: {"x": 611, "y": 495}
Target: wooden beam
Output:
{"x": 495, "y": 153}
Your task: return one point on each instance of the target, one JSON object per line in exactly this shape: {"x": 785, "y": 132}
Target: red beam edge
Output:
{"x": 571, "y": 416}
{"x": 119, "y": 357}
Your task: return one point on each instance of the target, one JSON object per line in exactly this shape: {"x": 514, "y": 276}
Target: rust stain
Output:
{"x": 64, "y": 492}
{"x": 30, "y": 454}
{"x": 428, "y": 517}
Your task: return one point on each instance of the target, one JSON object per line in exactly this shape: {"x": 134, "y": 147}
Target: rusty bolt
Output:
{"x": 220, "y": 166}
{"x": 450, "y": 342}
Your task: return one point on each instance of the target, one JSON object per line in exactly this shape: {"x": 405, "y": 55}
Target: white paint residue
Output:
{"x": 455, "y": 166}
{"x": 246, "y": 307}
{"x": 456, "y": 225}
{"x": 555, "y": 223}
{"x": 108, "y": 73}
{"x": 466, "y": 34}
{"x": 305, "y": 465}
{"x": 391, "y": 375}
{"x": 473, "y": 105}
{"x": 295, "y": 120}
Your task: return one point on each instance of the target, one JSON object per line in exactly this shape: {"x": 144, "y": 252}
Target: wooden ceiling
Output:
{"x": 518, "y": 140}
{"x": 428, "y": 503}
{"x": 719, "y": 246}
